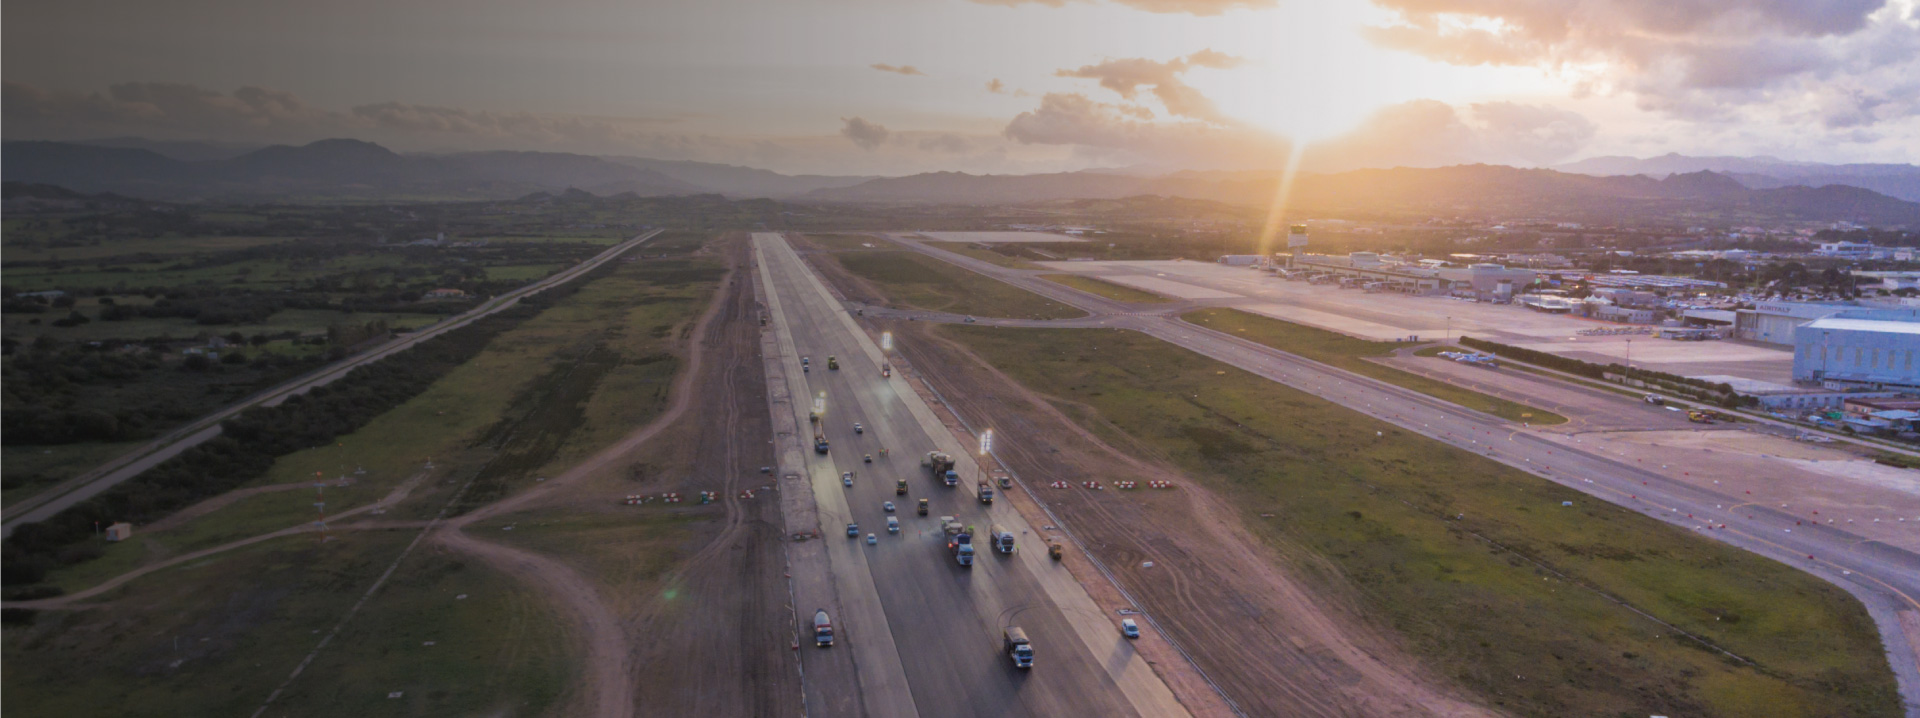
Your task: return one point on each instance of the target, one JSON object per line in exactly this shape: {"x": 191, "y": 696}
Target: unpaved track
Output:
{"x": 720, "y": 644}
{"x": 607, "y": 688}
{"x": 72, "y": 600}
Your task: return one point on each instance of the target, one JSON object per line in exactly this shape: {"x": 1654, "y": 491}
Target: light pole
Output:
{"x": 986, "y": 447}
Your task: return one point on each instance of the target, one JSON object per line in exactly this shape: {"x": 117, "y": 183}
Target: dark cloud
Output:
{"x": 1127, "y": 76}
{"x": 1189, "y": 7}
{"x": 865, "y": 135}
{"x": 897, "y": 69}
{"x": 1690, "y": 58}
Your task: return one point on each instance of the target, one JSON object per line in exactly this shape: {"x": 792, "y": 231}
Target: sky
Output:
{"x": 985, "y": 86}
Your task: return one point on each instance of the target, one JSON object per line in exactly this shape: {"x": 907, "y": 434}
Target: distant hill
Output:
{"x": 736, "y": 181}
{"x": 1462, "y": 189}
{"x": 328, "y": 169}
{"x": 1894, "y": 180}
{"x": 189, "y": 150}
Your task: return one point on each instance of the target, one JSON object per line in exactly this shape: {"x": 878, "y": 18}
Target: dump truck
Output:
{"x": 986, "y": 492}
{"x": 938, "y": 461}
{"x": 1018, "y": 647}
{"x": 1055, "y": 550}
{"x": 900, "y": 487}
{"x": 819, "y": 443}
{"x": 1001, "y": 477}
{"x": 1001, "y": 539}
{"x": 822, "y": 629}
{"x": 959, "y": 540}
{"x": 833, "y": 363}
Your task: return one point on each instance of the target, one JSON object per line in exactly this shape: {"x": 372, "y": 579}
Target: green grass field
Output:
{"x": 305, "y": 321}
{"x": 1351, "y": 354}
{"x": 985, "y": 255}
{"x": 1474, "y": 565}
{"x": 121, "y": 247}
{"x": 628, "y": 316}
{"x": 216, "y": 636}
{"x": 919, "y": 281}
{"x": 1104, "y": 288}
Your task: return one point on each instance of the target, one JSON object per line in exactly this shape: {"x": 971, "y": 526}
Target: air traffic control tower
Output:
{"x": 1296, "y": 238}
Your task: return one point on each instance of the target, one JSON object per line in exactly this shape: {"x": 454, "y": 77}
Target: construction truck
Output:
{"x": 1702, "y": 416}
{"x": 1018, "y": 647}
{"x": 900, "y": 487}
{"x": 941, "y": 463}
{"x": 959, "y": 540}
{"x": 822, "y": 629}
{"x": 819, "y": 443}
{"x": 886, "y": 370}
{"x": 1001, "y": 477}
{"x": 1001, "y": 539}
{"x": 1055, "y": 550}
{"x": 833, "y": 363}
{"x": 986, "y": 492}
{"x": 923, "y": 507}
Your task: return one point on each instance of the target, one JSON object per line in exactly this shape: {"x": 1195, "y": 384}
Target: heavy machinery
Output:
{"x": 923, "y": 507}
{"x": 1001, "y": 539}
{"x": 833, "y": 363}
{"x": 900, "y": 487}
{"x": 959, "y": 540}
{"x": 941, "y": 464}
{"x": 986, "y": 492}
{"x": 822, "y": 629}
{"x": 1018, "y": 647}
{"x": 1001, "y": 477}
{"x": 1701, "y": 416}
{"x": 819, "y": 443}
{"x": 1055, "y": 550}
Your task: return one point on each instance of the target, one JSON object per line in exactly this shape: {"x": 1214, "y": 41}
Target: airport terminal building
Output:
{"x": 1487, "y": 280}
{"x": 1858, "y": 352}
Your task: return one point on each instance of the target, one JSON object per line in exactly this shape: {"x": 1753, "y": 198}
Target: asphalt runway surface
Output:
{"x": 925, "y": 633}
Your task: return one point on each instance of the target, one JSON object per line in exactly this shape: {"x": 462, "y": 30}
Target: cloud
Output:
{"x": 865, "y": 135}
{"x": 1118, "y": 133}
{"x": 995, "y": 86}
{"x": 1421, "y": 133}
{"x": 1190, "y": 7}
{"x": 897, "y": 69}
{"x": 1430, "y": 133}
{"x": 1128, "y": 75}
{"x": 1800, "y": 59}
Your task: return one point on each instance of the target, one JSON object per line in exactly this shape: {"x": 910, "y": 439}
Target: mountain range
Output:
{"x": 352, "y": 169}
{"x": 1894, "y": 180}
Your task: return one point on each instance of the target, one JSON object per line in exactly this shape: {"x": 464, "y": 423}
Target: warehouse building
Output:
{"x": 1858, "y": 352}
